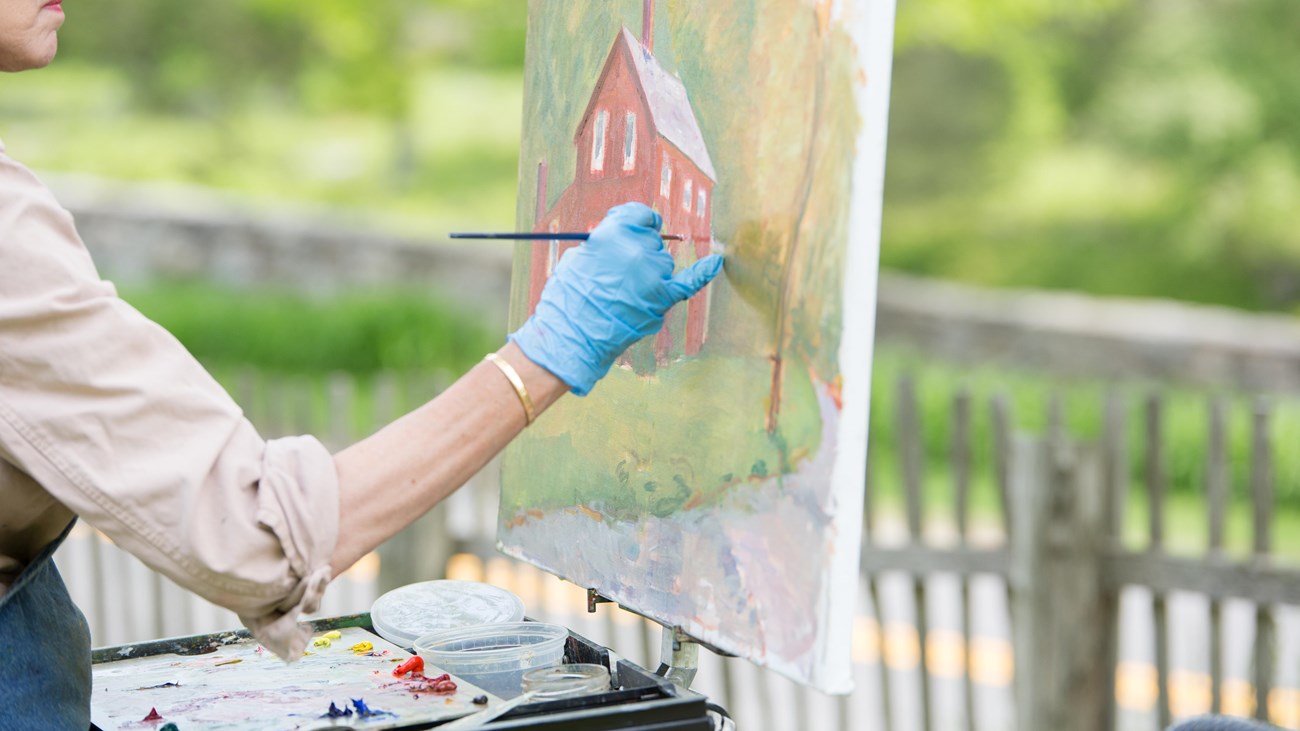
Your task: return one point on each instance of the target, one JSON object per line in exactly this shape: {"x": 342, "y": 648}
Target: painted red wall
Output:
{"x": 584, "y": 203}
{"x": 697, "y": 229}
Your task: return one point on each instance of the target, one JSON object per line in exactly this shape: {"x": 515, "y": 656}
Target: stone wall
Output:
{"x": 1078, "y": 335}
{"x": 137, "y": 235}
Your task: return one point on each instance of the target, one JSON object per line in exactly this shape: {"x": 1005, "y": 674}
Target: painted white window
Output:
{"x": 701, "y": 201}
{"x": 687, "y": 192}
{"x": 629, "y": 141}
{"x": 666, "y": 179}
{"x": 553, "y": 249}
{"x": 598, "y": 141}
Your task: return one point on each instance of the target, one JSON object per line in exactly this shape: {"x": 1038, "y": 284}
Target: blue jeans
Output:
{"x": 1221, "y": 723}
{"x": 44, "y": 651}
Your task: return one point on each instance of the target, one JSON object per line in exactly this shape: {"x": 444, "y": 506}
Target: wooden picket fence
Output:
{"x": 1065, "y": 565}
{"x": 963, "y": 624}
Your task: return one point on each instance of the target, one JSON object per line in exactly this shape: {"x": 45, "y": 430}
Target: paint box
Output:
{"x": 408, "y": 613}
{"x": 230, "y": 682}
{"x": 638, "y": 701}
{"x": 495, "y": 656}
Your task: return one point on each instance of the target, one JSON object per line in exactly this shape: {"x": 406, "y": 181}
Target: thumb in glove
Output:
{"x": 689, "y": 281}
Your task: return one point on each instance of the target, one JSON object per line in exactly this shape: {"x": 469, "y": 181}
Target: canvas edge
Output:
{"x": 871, "y": 27}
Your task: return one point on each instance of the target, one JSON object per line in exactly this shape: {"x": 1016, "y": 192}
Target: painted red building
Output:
{"x": 638, "y": 140}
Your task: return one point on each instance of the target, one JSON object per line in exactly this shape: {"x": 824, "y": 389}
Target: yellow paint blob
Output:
{"x": 333, "y": 635}
{"x": 321, "y": 642}
{"x": 362, "y": 647}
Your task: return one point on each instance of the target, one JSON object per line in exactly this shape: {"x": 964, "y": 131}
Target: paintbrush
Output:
{"x": 551, "y": 236}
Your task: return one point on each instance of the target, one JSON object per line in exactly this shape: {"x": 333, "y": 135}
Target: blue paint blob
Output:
{"x": 336, "y": 712}
{"x": 169, "y": 727}
{"x": 365, "y": 711}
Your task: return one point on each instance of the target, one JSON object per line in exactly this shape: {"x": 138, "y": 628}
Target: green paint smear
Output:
{"x": 659, "y": 444}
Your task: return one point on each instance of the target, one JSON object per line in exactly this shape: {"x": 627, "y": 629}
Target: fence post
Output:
{"x": 1061, "y": 609}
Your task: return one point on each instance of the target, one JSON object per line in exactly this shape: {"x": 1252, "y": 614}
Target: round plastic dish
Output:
{"x": 566, "y": 681}
{"x": 495, "y": 656}
{"x": 408, "y": 613}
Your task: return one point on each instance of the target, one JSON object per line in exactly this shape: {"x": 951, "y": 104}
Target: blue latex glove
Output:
{"x": 605, "y": 295}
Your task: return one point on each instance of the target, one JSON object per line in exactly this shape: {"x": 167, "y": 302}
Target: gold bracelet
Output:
{"x": 513, "y": 376}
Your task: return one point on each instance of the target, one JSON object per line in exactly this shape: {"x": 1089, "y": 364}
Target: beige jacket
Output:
{"x": 105, "y": 415}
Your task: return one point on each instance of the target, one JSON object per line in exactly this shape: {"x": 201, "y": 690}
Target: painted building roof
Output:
{"x": 669, "y": 106}
{"x": 670, "y": 109}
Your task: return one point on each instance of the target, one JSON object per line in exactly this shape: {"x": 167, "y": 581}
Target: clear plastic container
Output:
{"x": 408, "y": 613}
{"x": 566, "y": 681}
{"x": 495, "y": 656}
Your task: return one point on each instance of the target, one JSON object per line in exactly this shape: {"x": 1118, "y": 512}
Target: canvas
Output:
{"x": 713, "y": 480}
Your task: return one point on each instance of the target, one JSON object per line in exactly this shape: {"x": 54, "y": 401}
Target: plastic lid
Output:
{"x": 405, "y": 614}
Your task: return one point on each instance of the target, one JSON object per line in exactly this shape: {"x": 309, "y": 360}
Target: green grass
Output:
{"x": 1028, "y": 394}
{"x": 1185, "y": 421}
{"x": 360, "y": 331}
{"x": 1186, "y": 517}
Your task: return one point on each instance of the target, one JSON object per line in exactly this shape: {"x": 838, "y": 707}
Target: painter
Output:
{"x": 106, "y": 418}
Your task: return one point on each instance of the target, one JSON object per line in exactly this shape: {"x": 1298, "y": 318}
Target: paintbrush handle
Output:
{"x": 558, "y": 236}
{"x": 546, "y": 236}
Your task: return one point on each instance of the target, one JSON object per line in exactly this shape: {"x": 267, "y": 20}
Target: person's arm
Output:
{"x": 608, "y": 293}
{"x": 109, "y": 415}
{"x": 603, "y": 295}
{"x": 396, "y": 475}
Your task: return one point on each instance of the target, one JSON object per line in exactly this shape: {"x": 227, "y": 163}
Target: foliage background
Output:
{"x": 1112, "y": 146}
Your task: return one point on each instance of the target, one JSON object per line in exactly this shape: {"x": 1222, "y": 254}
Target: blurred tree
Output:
{"x": 196, "y": 58}
{"x": 214, "y": 58}
{"x": 1115, "y": 146}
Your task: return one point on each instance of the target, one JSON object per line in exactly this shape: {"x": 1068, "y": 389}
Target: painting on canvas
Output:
{"x": 713, "y": 480}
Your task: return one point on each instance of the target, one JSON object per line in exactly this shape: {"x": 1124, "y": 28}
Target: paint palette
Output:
{"x": 239, "y": 685}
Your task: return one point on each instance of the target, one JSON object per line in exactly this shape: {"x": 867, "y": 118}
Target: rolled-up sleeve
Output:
{"x": 111, "y": 415}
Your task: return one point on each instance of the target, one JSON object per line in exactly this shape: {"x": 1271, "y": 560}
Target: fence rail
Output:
{"x": 1036, "y": 583}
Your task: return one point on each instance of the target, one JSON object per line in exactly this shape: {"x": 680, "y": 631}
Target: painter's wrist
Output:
{"x": 543, "y": 386}
{"x": 553, "y": 346}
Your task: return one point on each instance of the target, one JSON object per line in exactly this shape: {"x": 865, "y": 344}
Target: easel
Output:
{"x": 679, "y": 653}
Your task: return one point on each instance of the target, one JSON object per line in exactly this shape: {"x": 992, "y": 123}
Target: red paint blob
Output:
{"x": 441, "y": 685}
{"x": 153, "y": 715}
{"x": 414, "y": 665}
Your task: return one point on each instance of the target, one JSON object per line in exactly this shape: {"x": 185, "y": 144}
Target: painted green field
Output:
{"x": 662, "y": 470}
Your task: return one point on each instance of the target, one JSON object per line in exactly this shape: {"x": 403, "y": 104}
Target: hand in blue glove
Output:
{"x": 607, "y": 294}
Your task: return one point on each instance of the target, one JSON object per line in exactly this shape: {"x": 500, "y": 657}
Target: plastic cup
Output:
{"x": 495, "y": 656}
{"x": 566, "y": 681}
